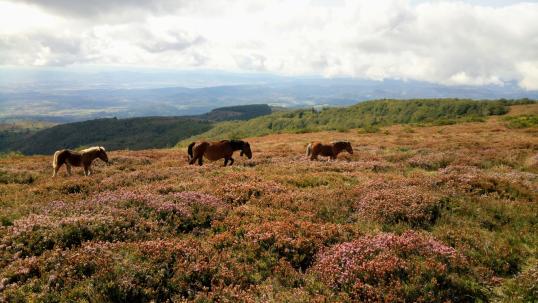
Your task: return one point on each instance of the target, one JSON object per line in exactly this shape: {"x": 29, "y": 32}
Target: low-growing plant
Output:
{"x": 7, "y": 177}
{"x": 523, "y": 121}
{"x": 411, "y": 267}
{"x": 398, "y": 201}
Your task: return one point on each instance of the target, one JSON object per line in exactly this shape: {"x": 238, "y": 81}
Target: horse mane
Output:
{"x": 93, "y": 149}
{"x": 237, "y": 144}
{"x": 340, "y": 143}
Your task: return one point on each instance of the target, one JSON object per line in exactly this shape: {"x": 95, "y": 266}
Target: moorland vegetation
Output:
{"x": 418, "y": 213}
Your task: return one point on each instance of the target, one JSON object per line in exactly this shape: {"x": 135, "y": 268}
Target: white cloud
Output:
{"x": 529, "y": 72}
{"x": 449, "y": 42}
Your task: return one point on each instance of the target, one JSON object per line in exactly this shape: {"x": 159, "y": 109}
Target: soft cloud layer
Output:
{"x": 446, "y": 42}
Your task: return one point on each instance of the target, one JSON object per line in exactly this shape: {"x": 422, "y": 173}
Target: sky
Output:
{"x": 447, "y": 42}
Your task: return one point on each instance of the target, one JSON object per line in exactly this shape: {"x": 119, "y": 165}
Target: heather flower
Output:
{"x": 387, "y": 267}
{"x": 468, "y": 179}
{"x": 431, "y": 161}
{"x": 398, "y": 201}
{"x": 237, "y": 189}
{"x": 297, "y": 241}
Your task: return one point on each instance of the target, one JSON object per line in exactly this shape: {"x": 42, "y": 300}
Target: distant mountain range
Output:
{"x": 129, "y": 133}
{"x": 66, "y": 97}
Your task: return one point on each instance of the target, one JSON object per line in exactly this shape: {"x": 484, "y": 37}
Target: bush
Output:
{"x": 398, "y": 201}
{"x": 369, "y": 129}
{"x": 431, "y": 161}
{"x": 524, "y": 121}
{"x": 158, "y": 270}
{"x": 468, "y": 179}
{"x": 16, "y": 177}
{"x": 386, "y": 267}
{"x": 368, "y": 116}
{"x": 523, "y": 288}
{"x": 297, "y": 241}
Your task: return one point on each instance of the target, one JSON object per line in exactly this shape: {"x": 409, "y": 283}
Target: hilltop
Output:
{"x": 369, "y": 116}
{"x": 428, "y": 213}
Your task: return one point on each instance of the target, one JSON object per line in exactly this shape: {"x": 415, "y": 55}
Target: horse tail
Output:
{"x": 309, "y": 149}
{"x": 55, "y": 158}
{"x": 189, "y": 150}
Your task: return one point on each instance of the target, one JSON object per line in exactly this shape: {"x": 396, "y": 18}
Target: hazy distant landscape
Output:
{"x": 61, "y": 97}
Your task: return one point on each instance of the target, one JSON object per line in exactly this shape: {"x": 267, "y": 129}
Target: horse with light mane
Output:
{"x": 82, "y": 158}
{"x": 217, "y": 150}
{"x": 315, "y": 149}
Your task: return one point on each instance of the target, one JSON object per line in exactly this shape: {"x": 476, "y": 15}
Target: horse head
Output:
{"x": 102, "y": 154}
{"x": 343, "y": 145}
{"x": 349, "y": 149}
{"x": 245, "y": 150}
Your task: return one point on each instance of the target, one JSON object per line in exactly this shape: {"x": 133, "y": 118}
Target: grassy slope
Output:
{"x": 522, "y": 116}
{"x": 135, "y": 133}
{"x": 12, "y": 133}
{"x": 114, "y": 134}
{"x": 474, "y": 185}
{"x": 369, "y": 115}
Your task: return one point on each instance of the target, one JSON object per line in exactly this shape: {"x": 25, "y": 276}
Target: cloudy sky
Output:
{"x": 450, "y": 42}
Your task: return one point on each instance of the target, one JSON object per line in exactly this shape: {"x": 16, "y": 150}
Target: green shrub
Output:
{"x": 524, "y": 287}
{"x": 524, "y": 121}
{"x": 17, "y": 177}
{"x": 369, "y": 129}
{"x": 368, "y": 116}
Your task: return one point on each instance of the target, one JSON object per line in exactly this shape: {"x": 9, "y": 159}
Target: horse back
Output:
{"x": 71, "y": 157}
{"x": 325, "y": 150}
{"x": 218, "y": 150}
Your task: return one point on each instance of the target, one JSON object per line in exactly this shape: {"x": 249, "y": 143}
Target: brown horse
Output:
{"x": 217, "y": 150}
{"x": 83, "y": 158}
{"x": 327, "y": 150}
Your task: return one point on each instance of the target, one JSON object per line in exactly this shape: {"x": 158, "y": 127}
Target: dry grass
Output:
{"x": 150, "y": 227}
{"x": 526, "y": 109}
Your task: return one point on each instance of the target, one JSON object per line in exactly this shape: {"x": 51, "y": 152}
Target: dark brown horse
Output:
{"x": 217, "y": 150}
{"x": 327, "y": 150}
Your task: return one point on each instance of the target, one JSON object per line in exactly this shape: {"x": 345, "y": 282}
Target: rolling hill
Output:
{"x": 368, "y": 115}
{"x": 131, "y": 133}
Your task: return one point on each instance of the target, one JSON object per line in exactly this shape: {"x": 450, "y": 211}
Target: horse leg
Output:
{"x": 55, "y": 170}
{"x": 200, "y": 160}
{"x": 86, "y": 171}
{"x": 68, "y": 167}
{"x": 231, "y": 160}
{"x": 225, "y": 161}
{"x": 192, "y": 160}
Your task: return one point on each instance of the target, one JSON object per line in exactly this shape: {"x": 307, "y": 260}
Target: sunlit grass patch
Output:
{"x": 16, "y": 177}
{"x": 523, "y": 121}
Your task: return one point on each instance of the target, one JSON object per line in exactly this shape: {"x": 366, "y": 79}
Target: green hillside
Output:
{"x": 240, "y": 112}
{"x": 369, "y": 115}
{"x": 135, "y": 133}
{"x": 132, "y": 133}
